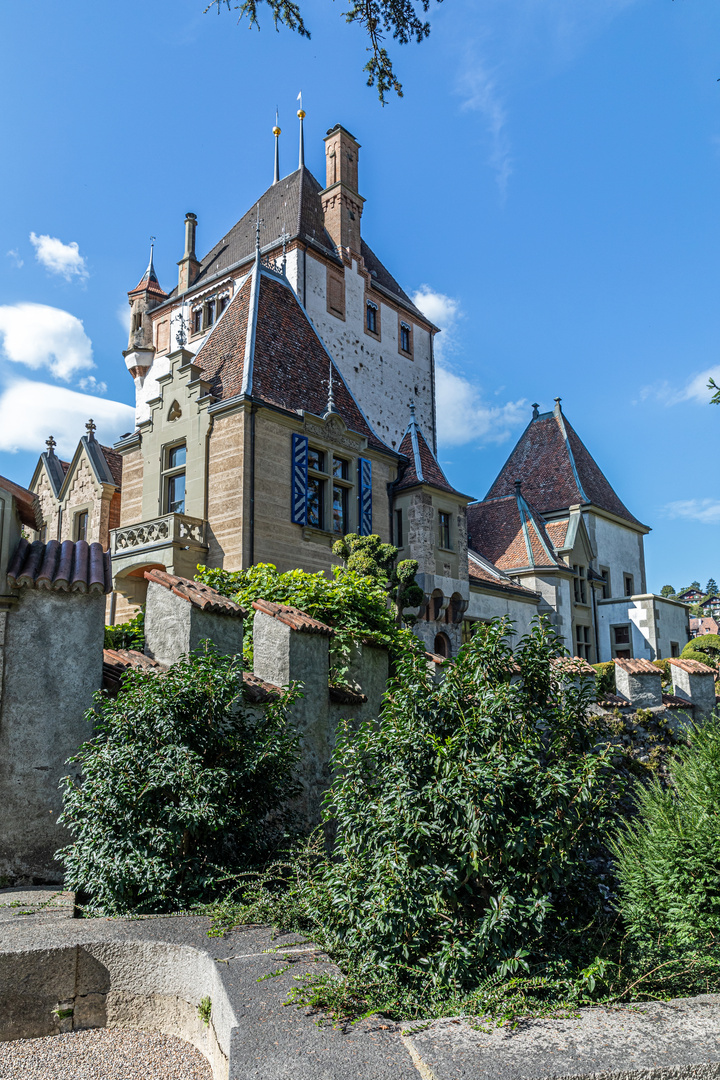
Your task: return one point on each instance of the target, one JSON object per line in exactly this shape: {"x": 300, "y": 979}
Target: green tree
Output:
{"x": 378, "y": 18}
{"x": 369, "y": 557}
{"x": 468, "y": 816}
{"x": 667, "y": 590}
{"x": 705, "y": 648}
{"x": 715, "y": 399}
{"x": 177, "y": 785}
{"x": 711, "y": 588}
{"x": 669, "y": 858}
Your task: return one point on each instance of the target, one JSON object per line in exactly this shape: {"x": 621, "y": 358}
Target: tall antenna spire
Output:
{"x": 331, "y": 410}
{"x": 276, "y": 133}
{"x": 301, "y": 115}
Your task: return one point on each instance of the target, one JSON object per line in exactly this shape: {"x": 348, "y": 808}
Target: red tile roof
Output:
{"x": 199, "y": 595}
{"x": 26, "y": 502}
{"x": 117, "y": 661}
{"x": 70, "y": 566}
{"x": 484, "y": 573}
{"x": 510, "y": 534}
{"x": 637, "y": 666}
{"x": 692, "y": 667}
{"x": 289, "y": 366}
{"x": 423, "y": 467}
{"x": 573, "y": 665}
{"x": 557, "y": 531}
{"x": 292, "y": 617}
{"x": 114, "y": 462}
{"x": 257, "y": 690}
{"x": 557, "y": 470}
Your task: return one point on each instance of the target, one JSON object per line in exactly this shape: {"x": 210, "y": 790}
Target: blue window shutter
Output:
{"x": 299, "y": 479}
{"x": 365, "y": 468}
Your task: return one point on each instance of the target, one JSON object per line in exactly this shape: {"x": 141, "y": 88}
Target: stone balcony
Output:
{"x": 174, "y": 542}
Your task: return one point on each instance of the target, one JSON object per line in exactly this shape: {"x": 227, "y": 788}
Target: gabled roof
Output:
{"x": 264, "y": 345}
{"x": 557, "y": 470}
{"x": 294, "y": 206}
{"x": 423, "y": 467}
{"x": 510, "y": 533}
{"x": 482, "y": 572}
{"x": 203, "y": 597}
{"x": 70, "y": 566}
{"x": 25, "y": 502}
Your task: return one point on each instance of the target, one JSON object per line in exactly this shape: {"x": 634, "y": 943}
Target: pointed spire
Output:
{"x": 51, "y": 444}
{"x": 149, "y": 281}
{"x": 412, "y": 412}
{"x": 558, "y": 407}
{"x": 331, "y": 410}
{"x": 276, "y": 133}
{"x": 301, "y": 116}
{"x": 536, "y": 410}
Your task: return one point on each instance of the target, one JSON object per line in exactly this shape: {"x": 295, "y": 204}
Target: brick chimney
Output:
{"x": 341, "y": 203}
{"x": 189, "y": 264}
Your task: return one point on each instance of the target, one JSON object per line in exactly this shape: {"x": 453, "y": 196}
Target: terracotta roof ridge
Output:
{"x": 692, "y": 667}
{"x": 636, "y": 666}
{"x": 292, "y": 617}
{"x": 67, "y": 566}
{"x": 196, "y": 593}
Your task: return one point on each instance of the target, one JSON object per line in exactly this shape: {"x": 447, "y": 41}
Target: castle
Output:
{"x": 285, "y": 396}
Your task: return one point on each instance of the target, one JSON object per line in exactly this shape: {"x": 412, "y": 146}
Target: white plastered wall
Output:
{"x": 487, "y": 605}
{"x": 619, "y": 548}
{"x": 656, "y": 623}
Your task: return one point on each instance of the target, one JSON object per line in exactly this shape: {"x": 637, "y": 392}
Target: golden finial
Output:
{"x": 276, "y": 130}
{"x": 301, "y": 114}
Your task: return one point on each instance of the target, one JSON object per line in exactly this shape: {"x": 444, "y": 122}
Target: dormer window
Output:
{"x": 444, "y": 528}
{"x": 223, "y": 302}
{"x": 197, "y": 320}
{"x": 209, "y": 314}
{"x": 371, "y": 317}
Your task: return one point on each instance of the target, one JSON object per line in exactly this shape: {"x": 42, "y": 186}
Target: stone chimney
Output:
{"x": 341, "y": 203}
{"x": 189, "y": 264}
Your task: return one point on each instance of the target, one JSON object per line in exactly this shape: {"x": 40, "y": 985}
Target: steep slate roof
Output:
{"x": 557, "y": 470}
{"x": 293, "y": 204}
{"x": 264, "y": 345}
{"x": 70, "y": 566}
{"x": 482, "y": 572}
{"x": 149, "y": 282}
{"x": 511, "y": 534}
{"x": 423, "y": 467}
{"x": 25, "y": 501}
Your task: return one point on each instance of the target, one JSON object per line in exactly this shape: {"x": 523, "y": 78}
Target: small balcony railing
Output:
{"x": 159, "y": 532}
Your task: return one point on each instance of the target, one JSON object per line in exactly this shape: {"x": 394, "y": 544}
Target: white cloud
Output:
{"x": 464, "y": 417}
{"x": 40, "y": 336}
{"x": 442, "y": 310}
{"x": 59, "y": 258}
{"x": 90, "y": 385}
{"x": 124, "y": 317}
{"x": 706, "y": 511}
{"x": 695, "y": 390}
{"x": 479, "y": 89}
{"x": 14, "y": 254}
{"x": 30, "y": 411}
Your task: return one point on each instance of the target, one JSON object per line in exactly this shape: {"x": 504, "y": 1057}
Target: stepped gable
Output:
{"x": 483, "y": 572}
{"x": 264, "y": 345}
{"x": 557, "y": 470}
{"x": 423, "y": 467}
{"x": 510, "y": 534}
{"x": 28, "y": 507}
{"x": 196, "y": 593}
{"x": 70, "y": 566}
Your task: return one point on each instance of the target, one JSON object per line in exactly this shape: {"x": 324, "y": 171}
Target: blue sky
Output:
{"x": 548, "y": 185}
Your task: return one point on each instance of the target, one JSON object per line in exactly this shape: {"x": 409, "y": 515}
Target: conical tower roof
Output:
{"x": 149, "y": 281}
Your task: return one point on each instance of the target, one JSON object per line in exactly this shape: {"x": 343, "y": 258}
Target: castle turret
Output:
{"x": 341, "y": 203}
{"x": 146, "y": 295}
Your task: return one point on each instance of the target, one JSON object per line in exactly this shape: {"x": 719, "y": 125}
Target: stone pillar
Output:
{"x": 695, "y": 683}
{"x": 639, "y": 682}
{"x": 181, "y": 614}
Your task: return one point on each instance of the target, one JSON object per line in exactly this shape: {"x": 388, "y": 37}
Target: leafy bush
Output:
{"x": 129, "y": 635}
{"x": 706, "y": 644}
{"x": 467, "y": 818}
{"x": 354, "y": 605}
{"x": 669, "y": 859}
{"x": 177, "y": 785}
{"x": 368, "y": 556}
{"x": 604, "y": 679}
{"x": 666, "y": 670}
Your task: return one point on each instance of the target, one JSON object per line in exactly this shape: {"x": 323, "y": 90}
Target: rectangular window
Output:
{"x": 621, "y": 642}
{"x": 579, "y": 584}
{"x": 316, "y": 460}
{"x": 340, "y": 510}
{"x": 405, "y": 338}
{"x": 222, "y": 304}
{"x": 316, "y": 503}
{"x": 197, "y": 321}
{"x": 629, "y": 584}
{"x": 605, "y": 575}
{"x": 81, "y": 525}
{"x": 582, "y": 639}
{"x": 335, "y": 294}
{"x": 174, "y": 479}
{"x": 398, "y": 529}
{"x": 209, "y": 313}
{"x": 371, "y": 319}
{"x": 340, "y": 468}
{"x": 674, "y": 648}
{"x": 444, "y": 524}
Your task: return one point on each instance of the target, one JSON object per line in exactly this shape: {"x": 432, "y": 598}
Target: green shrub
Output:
{"x": 177, "y": 785}
{"x": 128, "y": 635}
{"x": 354, "y": 605}
{"x": 666, "y": 669}
{"x": 708, "y": 645}
{"x": 467, "y": 818}
{"x": 604, "y": 679}
{"x": 669, "y": 859}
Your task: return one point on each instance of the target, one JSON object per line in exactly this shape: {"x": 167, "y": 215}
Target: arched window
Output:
{"x": 442, "y": 645}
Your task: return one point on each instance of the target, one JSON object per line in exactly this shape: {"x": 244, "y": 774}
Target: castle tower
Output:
{"x": 341, "y": 203}
{"x": 146, "y": 295}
